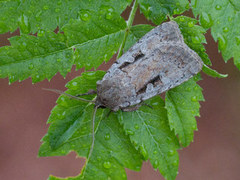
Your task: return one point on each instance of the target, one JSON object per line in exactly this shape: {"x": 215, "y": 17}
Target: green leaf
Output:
{"x": 223, "y": 16}
{"x": 193, "y": 36}
{"x": 38, "y": 57}
{"x": 136, "y": 32}
{"x": 85, "y": 43}
{"x": 157, "y": 11}
{"x": 71, "y": 130}
{"x": 95, "y": 40}
{"x": 70, "y": 119}
{"x": 182, "y": 105}
{"x": 211, "y": 72}
{"x": 150, "y": 133}
{"x": 32, "y": 16}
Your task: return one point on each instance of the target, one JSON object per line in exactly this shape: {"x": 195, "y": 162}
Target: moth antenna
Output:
{"x": 93, "y": 132}
{"x": 69, "y": 95}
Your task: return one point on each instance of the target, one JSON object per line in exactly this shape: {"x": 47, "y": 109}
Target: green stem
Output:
{"x": 129, "y": 24}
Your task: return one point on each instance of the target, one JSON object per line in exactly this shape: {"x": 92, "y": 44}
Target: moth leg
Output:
{"x": 132, "y": 108}
{"x": 90, "y": 92}
{"x": 145, "y": 104}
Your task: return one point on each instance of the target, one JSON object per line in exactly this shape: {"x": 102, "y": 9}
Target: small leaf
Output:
{"x": 225, "y": 25}
{"x": 193, "y": 36}
{"x": 43, "y": 56}
{"x": 150, "y": 133}
{"x": 211, "y": 72}
{"x": 31, "y": 16}
{"x": 182, "y": 105}
{"x": 157, "y": 11}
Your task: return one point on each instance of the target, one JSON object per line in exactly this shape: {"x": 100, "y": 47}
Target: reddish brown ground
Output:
{"x": 214, "y": 154}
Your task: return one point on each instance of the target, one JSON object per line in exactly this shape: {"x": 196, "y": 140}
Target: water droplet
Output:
{"x": 130, "y": 132}
{"x": 11, "y": 79}
{"x": 206, "y": 20}
{"x": 225, "y": 29}
{"x": 57, "y": 10}
{"x": 24, "y": 24}
{"x": 196, "y": 40}
{"x": 175, "y": 163}
{"x": 218, "y": 7}
{"x": 46, "y": 7}
{"x": 237, "y": 40}
{"x": 171, "y": 152}
{"x": 31, "y": 66}
{"x": 84, "y": 15}
{"x": 190, "y": 24}
{"x": 109, "y": 15}
{"x": 194, "y": 99}
{"x": 136, "y": 126}
{"x": 155, "y": 152}
{"x": 107, "y": 164}
{"x": 222, "y": 42}
{"x": 99, "y": 158}
{"x": 182, "y": 19}
{"x": 176, "y": 11}
{"x": 155, "y": 164}
{"x": 107, "y": 136}
{"x": 144, "y": 152}
{"x": 41, "y": 33}
{"x": 59, "y": 59}
{"x": 61, "y": 115}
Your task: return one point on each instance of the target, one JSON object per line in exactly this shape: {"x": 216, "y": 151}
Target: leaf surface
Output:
{"x": 70, "y": 130}
{"x": 85, "y": 43}
{"x": 32, "y": 16}
{"x": 223, "y": 17}
{"x": 182, "y": 105}
{"x": 157, "y": 11}
{"x": 150, "y": 133}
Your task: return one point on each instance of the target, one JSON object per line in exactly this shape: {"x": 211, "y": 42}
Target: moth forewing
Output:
{"x": 159, "y": 61}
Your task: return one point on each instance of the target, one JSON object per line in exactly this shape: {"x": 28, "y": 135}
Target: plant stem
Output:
{"x": 129, "y": 24}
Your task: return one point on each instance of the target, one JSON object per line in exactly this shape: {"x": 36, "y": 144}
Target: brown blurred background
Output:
{"x": 214, "y": 154}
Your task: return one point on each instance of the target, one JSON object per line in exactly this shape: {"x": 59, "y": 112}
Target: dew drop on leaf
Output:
{"x": 218, "y": 7}
{"x": 195, "y": 40}
{"x": 57, "y": 10}
{"x": 46, "y": 7}
{"x": 155, "y": 152}
{"x": 155, "y": 164}
{"x": 194, "y": 99}
{"x": 99, "y": 158}
{"x": 84, "y": 15}
{"x": 222, "y": 43}
{"x": 107, "y": 165}
{"x": 225, "y": 29}
{"x": 109, "y": 15}
{"x": 182, "y": 19}
{"x": 238, "y": 40}
{"x": 107, "y": 136}
{"x": 190, "y": 24}
{"x": 171, "y": 152}
{"x": 24, "y": 24}
{"x": 144, "y": 152}
{"x": 31, "y": 66}
{"x": 175, "y": 163}
{"x": 230, "y": 19}
{"x": 136, "y": 126}
{"x": 59, "y": 60}
{"x": 206, "y": 20}
{"x": 130, "y": 132}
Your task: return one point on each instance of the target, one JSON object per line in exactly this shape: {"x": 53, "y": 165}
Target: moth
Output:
{"x": 159, "y": 61}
